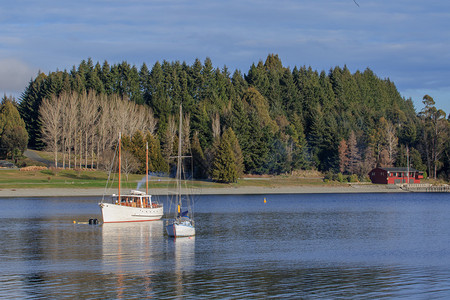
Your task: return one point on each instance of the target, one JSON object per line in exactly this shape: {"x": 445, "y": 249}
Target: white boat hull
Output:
{"x": 113, "y": 213}
{"x": 180, "y": 230}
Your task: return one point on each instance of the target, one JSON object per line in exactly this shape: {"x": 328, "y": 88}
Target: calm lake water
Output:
{"x": 362, "y": 246}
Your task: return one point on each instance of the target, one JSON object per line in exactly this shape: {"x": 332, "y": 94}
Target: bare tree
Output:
{"x": 71, "y": 113}
{"x": 64, "y": 127}
{"x": 93, "y": 129}
{"x": 88, "y": 115}
{"x": 391, "y": 142}
{"x": 129, "y": 163}
{"x": 216, "y": 126}
{"x": 343, "y": 156}
{"x": 186, "y": 133}
{"x": 83, "y": 106}
{"x": 151, "y": 121}
{"x": 135, "y": 117}
{"x": 435, "y": 135}
{"x": 88, "y": 124}
{"x": 354, "y": 157}
{"x": 50, "y": 117}
{"x": 384, "y": 158}
{"x": 170, "y": 135}
{"x": 106, "y": 135}
{"x": 123, "y": 115}
{"x": 369, "y": 161}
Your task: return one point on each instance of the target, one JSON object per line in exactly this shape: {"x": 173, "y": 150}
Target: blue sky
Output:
{"x": 406, "y": 41}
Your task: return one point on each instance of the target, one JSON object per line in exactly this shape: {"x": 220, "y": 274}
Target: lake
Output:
{"x": 360, "y": 246}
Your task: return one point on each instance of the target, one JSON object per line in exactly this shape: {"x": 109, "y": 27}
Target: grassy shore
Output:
{"x": 51, "y": 182}
{"x": 58, "y": 178}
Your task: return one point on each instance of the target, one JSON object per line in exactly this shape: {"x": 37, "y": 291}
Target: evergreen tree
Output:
{"x": 257, "y": 78}
{"x": 199, "y": 160}
{"x": 240, "y": 85}
{"x": 156, "y": 159}
{"x": 224, "y": 168}
{"x": 137, "y": 148}
{"x": 239, "y": 159}
{"x": 105, "y": 77}
{"x": 278, "y": 162}
{"x": 256, "y": 103}
{"x": 13, "y": 135}
{"x": 298, "y": 139}
{"x": 303, "y": 113}
{"x": 435, "y": 134}
{"x": 316, "y": 136}
{"x": 29, "y": 109}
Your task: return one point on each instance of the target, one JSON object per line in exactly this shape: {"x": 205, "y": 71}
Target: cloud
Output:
{"x": 405, "y": 40}
{"x": 14, "y": 76}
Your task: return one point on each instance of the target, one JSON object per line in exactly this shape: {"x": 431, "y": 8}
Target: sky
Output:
{"x": 407, "y": 41}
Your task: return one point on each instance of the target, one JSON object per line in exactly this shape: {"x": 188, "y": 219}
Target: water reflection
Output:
{"x": 295, "y": 246}
{"x": 184, "y": 250}
{"x": 129, "y": 247}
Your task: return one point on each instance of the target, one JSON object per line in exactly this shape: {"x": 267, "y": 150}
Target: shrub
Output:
{"x": 33, "y": 168}
{"x": 353, "y": 178}
{"x": 328, "y": 177}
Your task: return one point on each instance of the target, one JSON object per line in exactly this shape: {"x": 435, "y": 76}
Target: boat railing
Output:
{"x": 135, "y": 202}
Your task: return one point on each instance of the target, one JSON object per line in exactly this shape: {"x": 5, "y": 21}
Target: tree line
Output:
{"x": 13, "y": 135}
{"x": 271, "y": 120}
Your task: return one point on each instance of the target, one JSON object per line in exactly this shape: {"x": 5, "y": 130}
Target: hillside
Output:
{"x": 283, "y": 119}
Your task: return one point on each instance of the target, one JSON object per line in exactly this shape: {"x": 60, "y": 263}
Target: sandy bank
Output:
{"x": 59, "y": 192}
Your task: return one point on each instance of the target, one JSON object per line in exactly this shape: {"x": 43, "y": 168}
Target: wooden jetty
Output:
{"x": 426, "y": 188}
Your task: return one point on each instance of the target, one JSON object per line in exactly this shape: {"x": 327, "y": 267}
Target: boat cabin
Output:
{"x": 395, "y": 175}
{"x": 135, "y": 199}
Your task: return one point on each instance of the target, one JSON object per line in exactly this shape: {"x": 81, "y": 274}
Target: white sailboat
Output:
{"x": 183, "y": 225}
{"x": 136, "y": 206}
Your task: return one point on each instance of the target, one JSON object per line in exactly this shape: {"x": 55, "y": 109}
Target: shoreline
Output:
{"x": 248, "y": 190}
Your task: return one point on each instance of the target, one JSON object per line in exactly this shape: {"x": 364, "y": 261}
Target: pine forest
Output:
{"x": 270, "y": 120}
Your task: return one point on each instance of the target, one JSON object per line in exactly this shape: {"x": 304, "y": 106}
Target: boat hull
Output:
{"x": 113, "y": 213}
{"x": 180, "y": 230}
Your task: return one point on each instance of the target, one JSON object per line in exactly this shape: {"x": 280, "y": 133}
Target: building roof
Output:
{"x": 401, "y": 169}
{"x": 6, "y": 164}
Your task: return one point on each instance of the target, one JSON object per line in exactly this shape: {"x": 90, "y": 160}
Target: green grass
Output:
{"x": 13, "y": 178}
{"x": 69, "y": 178}
{"x": 51, "y": 178}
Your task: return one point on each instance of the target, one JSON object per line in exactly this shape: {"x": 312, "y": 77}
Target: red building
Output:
{"x": 395, "y": 175}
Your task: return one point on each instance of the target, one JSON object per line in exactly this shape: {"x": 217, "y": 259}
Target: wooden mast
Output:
{"x": 179, "y": 163}
{"x": 120, "y": 164}
{"x": 146, "y": 168}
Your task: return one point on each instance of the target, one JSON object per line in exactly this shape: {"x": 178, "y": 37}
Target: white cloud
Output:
{"x": 405, "y": 40}
{"x": 14, "y": 76}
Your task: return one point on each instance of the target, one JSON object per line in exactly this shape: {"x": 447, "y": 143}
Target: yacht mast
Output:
{"x": 120, "y": 162}
{"x": 146, "y": 168}
{"x": 179, "y": 163}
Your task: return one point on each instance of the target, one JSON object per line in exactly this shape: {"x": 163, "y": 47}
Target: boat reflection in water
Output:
{"x": 184, "y": 258}
{"x": 131, "y": 247}
{"x": 141, "y": 250}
